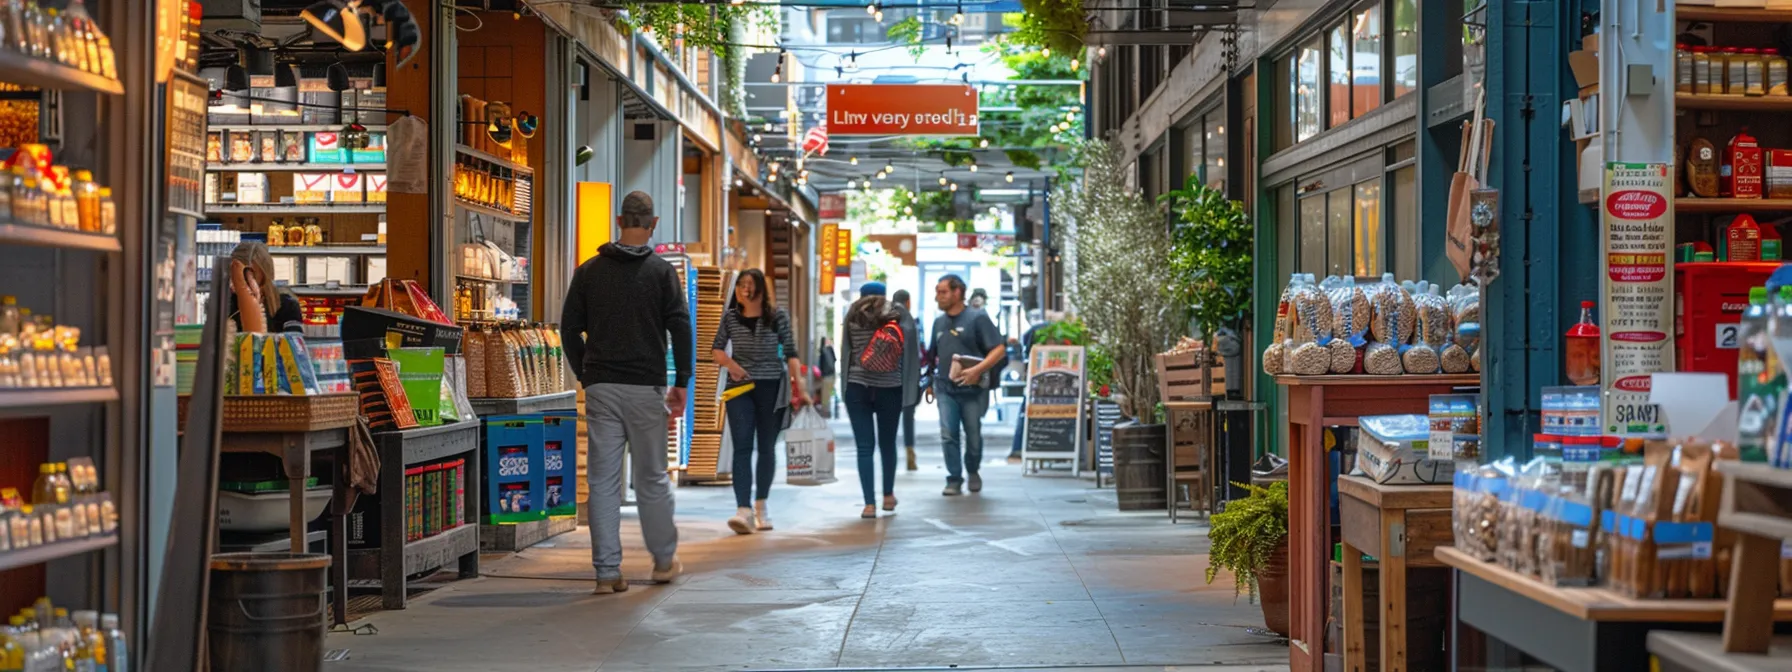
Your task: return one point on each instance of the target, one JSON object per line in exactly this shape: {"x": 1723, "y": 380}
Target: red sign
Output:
{"x": 1636, "y": 204}
{"x": 833, "y": 206}
{"x": 902, "y": 109}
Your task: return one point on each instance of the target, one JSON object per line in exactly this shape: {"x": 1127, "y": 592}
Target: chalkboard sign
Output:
{"x": 1107, "y": 414}
{"x": 1055, "y": 392}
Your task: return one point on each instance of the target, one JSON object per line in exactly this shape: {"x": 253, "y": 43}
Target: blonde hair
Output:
{"x": 254, "y": 256}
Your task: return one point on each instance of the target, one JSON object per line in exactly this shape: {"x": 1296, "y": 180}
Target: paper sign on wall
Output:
{"x": 1637, "y": 227}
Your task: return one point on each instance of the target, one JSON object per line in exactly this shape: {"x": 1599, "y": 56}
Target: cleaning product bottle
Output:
{"x": 116, "y": 656}
{"x": 1581, "y": 353}
{"x": 1759, "y": 379}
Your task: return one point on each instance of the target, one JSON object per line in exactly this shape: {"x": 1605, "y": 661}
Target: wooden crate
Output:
{"x": 1179, "y": 376}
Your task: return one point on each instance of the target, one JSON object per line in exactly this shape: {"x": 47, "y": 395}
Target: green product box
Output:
{"x": 420, "y": 372}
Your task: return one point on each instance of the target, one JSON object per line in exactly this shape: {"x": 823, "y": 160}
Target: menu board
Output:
{"x": 1636, "y": 339}
{"x": 1054, "y": 402}
{"x": 1107, "y": 414}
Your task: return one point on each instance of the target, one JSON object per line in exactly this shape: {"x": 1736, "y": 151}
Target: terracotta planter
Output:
{"x": 1272, "y": 589}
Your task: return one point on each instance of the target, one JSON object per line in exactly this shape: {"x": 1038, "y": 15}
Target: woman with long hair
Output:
{"x": 259, "y": 306}
{"x": 877, "y": 354}
{"x": 755, "y": 346}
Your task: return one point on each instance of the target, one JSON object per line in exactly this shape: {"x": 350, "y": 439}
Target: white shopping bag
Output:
{"x": 809, "y": 448}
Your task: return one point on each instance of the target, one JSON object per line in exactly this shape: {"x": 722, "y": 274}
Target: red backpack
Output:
{"x": 884, "y": 353}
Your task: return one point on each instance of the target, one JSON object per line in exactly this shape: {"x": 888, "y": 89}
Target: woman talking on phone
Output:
{"x": 755, "y": 346}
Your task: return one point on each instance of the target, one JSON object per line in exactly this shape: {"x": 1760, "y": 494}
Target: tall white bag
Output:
{"x": 809, "y": 450}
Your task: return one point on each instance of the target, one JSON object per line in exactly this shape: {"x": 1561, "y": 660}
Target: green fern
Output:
{"x": 1247, "y": 533}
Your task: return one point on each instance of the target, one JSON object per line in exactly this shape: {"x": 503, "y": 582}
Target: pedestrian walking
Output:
{"x": 879, "y": 355}
{"x": 911, "y": 374}
{"x": 754, "y": 344}
{"x": 825, "y": 362}
{"x": 622, "y": 306}
{"x": 968, "y": 347}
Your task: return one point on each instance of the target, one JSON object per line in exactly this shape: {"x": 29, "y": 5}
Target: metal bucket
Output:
{"x": 267, "y": 612}
{"x": 1139, "y": 477}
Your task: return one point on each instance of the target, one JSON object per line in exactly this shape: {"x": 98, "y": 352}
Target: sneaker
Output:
{"x": 761, "y": 521}
{"x": 742, "y": 522}
{"x": 1014, "y": 459}
{"x": 976, "y": 482}
{"x": 667, "y": 572}
{"x": 953, "y": 490}
{"x": 611, "y": 586}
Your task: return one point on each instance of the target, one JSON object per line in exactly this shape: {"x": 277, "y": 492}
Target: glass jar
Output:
{"x": 12, "y": 15}
{"x": 108, "y": 212}
{"x": 1682, "y": 69}
{"x": 276, "y": 234}
{"x": 1754, "y": 73}
{"x": 1704, "y": 76}
{"x": 1775, "y": 66}
{"x": 87, "y": 201}
{"x": 1735, "y": 72}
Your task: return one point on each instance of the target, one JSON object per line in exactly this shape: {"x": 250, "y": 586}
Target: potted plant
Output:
{"x": 1115, "y": 250}
{"x": 1250, "y": 539}
{"x": 1210, "y": 260}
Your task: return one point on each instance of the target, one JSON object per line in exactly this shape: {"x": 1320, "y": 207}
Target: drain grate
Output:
{"x": 336, "y": 655}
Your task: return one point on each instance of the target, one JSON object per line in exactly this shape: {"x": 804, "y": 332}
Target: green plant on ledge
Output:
{"x": 1247, "y": 533}
{"x": 1058, "y": 25}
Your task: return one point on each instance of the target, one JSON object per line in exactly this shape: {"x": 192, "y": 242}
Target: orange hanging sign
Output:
{"x": 825, "y": 265}
{"x": 843, "y": 252}
{"x": 902, "y": 109}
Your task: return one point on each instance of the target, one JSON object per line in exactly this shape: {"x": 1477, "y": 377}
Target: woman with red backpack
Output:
{"x": 876, "y": 353}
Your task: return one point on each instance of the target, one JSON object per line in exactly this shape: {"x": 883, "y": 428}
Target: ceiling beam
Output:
{"x": 1147, "y": 38}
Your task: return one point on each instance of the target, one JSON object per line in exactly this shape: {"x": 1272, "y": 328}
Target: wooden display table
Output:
{"x": 399, "y": 557}
{"x": 1314, "y": 403}
{"x": 1702, "y": 652}
{"x": 1572, "y": 629}
{"x": 1757, "y": 505}
{"x": 294, "y": 450}
{"x": 1399, "y": 525}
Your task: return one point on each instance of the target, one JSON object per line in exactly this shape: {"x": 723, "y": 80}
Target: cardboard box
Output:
{"x": 515, "y": 473}
{"x": 376, "y": 187}
{"x": 326, "y": 147}
{"x": 311, "y": 187}
{"x": 560, "y": 440}
{"x": 252, "y": 187}
{"x": 348, "y": 188}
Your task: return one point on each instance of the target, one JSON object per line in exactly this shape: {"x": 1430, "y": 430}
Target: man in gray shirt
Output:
{"x": 967, "y": 337}
{"x": 632, "y": 300}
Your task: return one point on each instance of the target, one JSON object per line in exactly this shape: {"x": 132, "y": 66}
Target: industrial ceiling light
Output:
{"x": 236, "y": 78}
{"x": 286, "y": 75}
{"x": 337, "y": 77}
{"x": 379, "y": 75}
{"x": 338, "y": 21}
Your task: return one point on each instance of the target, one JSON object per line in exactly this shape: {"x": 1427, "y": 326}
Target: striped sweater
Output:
{"x": 761, "y": 349}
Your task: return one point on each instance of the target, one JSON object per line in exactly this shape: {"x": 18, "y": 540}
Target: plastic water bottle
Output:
{"x": 117, "y": 660}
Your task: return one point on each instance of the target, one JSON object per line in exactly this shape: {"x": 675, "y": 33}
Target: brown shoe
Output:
{"x": 611, "y": 586}
{"x": 911, "y": 459}
{"x": 665, "y": 573}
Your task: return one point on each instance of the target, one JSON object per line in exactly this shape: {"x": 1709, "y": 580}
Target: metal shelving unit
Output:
{"x": 277, "y": 166}
{"x": 43, "y": 236}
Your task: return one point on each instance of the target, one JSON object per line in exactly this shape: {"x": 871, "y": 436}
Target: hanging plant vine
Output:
{"x": 703, "y": 26}
{"x": 1058, "y": 25}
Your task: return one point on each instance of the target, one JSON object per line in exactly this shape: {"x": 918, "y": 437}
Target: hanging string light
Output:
{"x": 890, "y": 167}
{"x": 908, "y": 210}
{"x": 1047, "y": 52}
{"x": 1101, "y": 52}
{"x": 953, "y": 186}
{"x": 756, "y": 137}
{"x": 1009, "y": 177}
{"x": 973, "y": 167}
{"x": 943, "y": 179}
{"x": 854, "y": 160}
{"x": 958, "y": 16}
{"x": 871, "y": 8}
{"x": 983, "y": 143}
{"x": 1074, "y": 64}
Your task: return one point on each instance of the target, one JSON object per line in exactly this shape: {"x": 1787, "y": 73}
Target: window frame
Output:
{"x": 1320, "y": 40}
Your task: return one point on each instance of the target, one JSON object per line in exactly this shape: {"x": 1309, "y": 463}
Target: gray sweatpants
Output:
{"x": 633, "y": 416}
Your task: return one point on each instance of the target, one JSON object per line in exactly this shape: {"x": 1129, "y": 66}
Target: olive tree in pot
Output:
{"x": 1121, "y": 273}
{"x": 1250, "y": 539}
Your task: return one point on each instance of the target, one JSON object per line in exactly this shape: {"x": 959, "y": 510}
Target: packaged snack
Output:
{"x": 1389, "y": 318}
{"x": 1351, "y": 315}
{"x": 1311, "y": 331}
{"x": 1432, "y": 332}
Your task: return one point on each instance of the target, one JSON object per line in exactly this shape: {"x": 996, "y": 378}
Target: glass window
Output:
{"x": 1338, "y": 72}
{"x": 1406, "y": 47}
{"x": 1406, "y": 222}
{"x": 1338, "y": 231}
{"x": 1365, "y": 55}
{"x": 1312, "y": 235}
{"x": 1370, "y": 254}
{"x": 1214, "y": 157}
{"x": 1307, "y": 94}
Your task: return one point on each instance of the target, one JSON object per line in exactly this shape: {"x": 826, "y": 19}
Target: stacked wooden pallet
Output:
{"x": 779, "y": 233}
{"x": 706, "y": 434}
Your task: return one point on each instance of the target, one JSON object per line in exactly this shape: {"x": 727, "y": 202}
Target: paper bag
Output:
{"x": 809, "y": 448}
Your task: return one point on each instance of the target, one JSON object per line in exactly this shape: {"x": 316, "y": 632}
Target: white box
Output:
{"x": 376, "y": 269}
{"x": 348, "y": 188}
{"x": 252, "y": 187}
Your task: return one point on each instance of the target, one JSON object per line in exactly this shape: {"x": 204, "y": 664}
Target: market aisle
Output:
{"x": 1039, "y": 571}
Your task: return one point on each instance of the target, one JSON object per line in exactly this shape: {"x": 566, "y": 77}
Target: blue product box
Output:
{"x": 560, "y": 436}
{"x": 515, "y": 473}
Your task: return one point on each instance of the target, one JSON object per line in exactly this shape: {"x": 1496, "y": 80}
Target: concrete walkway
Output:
{"x": 1036, "y": 572}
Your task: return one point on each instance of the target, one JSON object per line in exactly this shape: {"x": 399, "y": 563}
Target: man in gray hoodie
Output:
{"x": 623, "y": 304}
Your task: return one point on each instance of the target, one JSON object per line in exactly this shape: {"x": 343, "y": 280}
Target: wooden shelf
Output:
{"x": 26, "y": 70}
{"x": 1450, "y": 379}
{"x": 1728, "y": 205}
{"x": 1705, "y": 652}
{"x": 276, "y": 167}
{"x": 38, "y": 397}
{"x": 1732, "y": 14}
{"x": 489, "y": 211}
{"x": 327, "y": 250}
{"x": 69, "y": 239}
{"x": 296, "y": 209}
{"x": 1598, "y": 604}
{"x": 61, "y": 549}
{"x": 493, "y": 159}
{"x": 1691, "y": 101}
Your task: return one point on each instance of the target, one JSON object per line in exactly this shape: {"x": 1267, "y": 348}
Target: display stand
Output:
{"x": 1571, "y": 629}
{"x": 1757, "y": 505}
{"x": 541, "y": 403}
{"x": 1401, "y": 524}
{"x": 703, "y": 462}
{"x": 295, "y": 452}
{"x": 1198, "y": 416}
{"x": 1314, "y": 403}
{"x": 397, "y": 559}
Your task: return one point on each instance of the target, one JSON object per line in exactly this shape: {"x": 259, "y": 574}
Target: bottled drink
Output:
{"x": 12, "y": 649}
{"x": 1582, "y": 350}
{"x": 90, "y": 645}
{"x": 43, "y": 491}
{"x": 116, "y": 657}
{"x": 1759, "y": 380}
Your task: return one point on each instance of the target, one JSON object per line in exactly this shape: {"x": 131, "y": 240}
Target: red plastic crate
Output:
{"x": 1709, "y": 298}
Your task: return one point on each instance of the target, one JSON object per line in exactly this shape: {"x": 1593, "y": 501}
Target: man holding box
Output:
{"x": 631, "y": 300}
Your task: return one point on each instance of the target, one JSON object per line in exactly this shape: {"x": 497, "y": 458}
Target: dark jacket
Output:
{"x": 911, "y": 358}
{"x": 627, "y": 300}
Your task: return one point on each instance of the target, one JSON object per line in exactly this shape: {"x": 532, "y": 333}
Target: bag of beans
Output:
{"x": 1275, "y": 356}
{"x": 1464, "y": 304}
{"x": 1387, "y": 315}
{"x": 1311, "y": 334}
{"x": 1350, "y": 323}
{"x": 1432, "y": 332}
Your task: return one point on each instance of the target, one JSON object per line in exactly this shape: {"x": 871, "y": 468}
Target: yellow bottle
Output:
{"x": 43, "y": 491}
{"x": 12, "y": 651}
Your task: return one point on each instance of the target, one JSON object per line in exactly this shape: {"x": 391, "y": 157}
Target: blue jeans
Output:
{"x": 874, "y": 412}
{"x": 1020, "y": 427}
{"x": 966, "y": 409}
{"x": 754, "y": 417}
